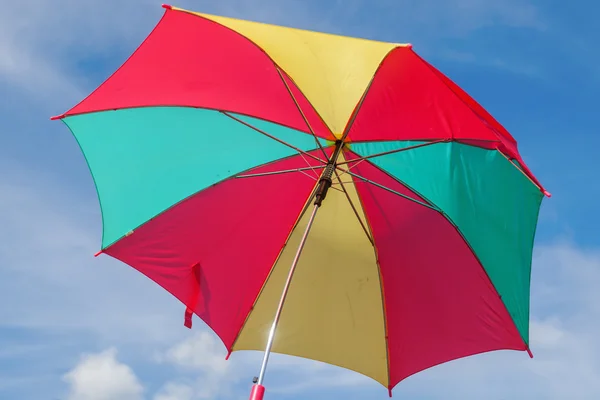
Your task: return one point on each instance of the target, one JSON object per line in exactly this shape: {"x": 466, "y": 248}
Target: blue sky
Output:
{"x": 74, "y": 327}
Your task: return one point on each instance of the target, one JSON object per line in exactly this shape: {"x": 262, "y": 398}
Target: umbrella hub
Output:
{"x": 326, "y": 177}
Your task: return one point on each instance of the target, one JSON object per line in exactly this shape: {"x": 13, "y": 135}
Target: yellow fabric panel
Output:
{"x": 332, "y": 71}
{"x": 334, "y": 311}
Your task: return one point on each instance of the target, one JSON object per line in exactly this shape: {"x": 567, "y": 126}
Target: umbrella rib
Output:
{"x": 289, "y": 90}
{"x": 354, "y": 208}
{"x": 392, "y": 191}
{"x": 385, "y": 153}
{"x": 272, "y": 137}
{"x": 510, "y": 160}
{"x": 285, "y": 171}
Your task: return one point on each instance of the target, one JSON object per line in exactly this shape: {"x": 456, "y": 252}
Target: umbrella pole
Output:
{"x": 258, "y": 390}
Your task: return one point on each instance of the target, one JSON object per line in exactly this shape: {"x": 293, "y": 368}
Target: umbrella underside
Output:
{"x": 421, "y": 252}
{"x": 225, "y": 239}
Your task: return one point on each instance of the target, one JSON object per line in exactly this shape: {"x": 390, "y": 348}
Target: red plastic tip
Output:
{"x": 167, "y": 7}
{"x": 409, "y": 45}
{"x": 257, "y": 393}
{"x": 547, "y": 194}
{"x": 390, "y": 392}
{"x": 98, "y": 253}
{"x": 57, "y": 117}
{"x": 529, "y": 352}
{"x": 228, "y": 355}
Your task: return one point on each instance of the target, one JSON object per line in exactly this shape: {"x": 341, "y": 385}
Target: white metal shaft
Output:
{"x": 263, "y": 368}
{"x": 319, "y": 195}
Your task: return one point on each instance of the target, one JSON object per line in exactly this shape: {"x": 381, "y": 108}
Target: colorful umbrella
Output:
{"x": 217, "y": 141}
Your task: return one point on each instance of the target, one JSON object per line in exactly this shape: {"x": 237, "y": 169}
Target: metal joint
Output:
{"x": 326, "y": 177}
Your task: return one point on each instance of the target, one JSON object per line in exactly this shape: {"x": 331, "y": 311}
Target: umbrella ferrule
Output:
{"x": 326, "y": 177}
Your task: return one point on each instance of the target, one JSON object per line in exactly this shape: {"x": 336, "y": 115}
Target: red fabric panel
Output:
{"x": 504, "y": 135}
{"x": 191, "y": 61}
{"x": 408, "y": 101}
{"x": 234, "y": 231}
{"x": 440, "y": 304}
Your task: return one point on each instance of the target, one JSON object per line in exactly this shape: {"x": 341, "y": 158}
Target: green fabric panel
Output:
{"x": 491, "y": 202}
{"x": 145, "y": 160}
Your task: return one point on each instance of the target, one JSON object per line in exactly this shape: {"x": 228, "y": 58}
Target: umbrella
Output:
{"x": 327, "y": 197}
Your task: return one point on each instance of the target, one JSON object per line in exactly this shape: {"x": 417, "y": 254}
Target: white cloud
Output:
{"x": 49, "y": 233}
{"x": 201, "y": 351}
{"x": 200, "y": 358}
{"x": 202, "y": 355}
{"x": 43, "y": 43}
{"x": 102, "y": 377}
{"x": 175, "y": 391}
{"x": 48, "y": 237}
{"x": 38, "y": 40}
{"x": 547, "y": 334}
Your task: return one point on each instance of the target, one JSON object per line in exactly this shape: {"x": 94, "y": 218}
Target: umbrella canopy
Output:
{"x": 210, "y": 144}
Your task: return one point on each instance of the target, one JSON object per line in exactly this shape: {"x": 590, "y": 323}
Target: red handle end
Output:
{"x": 257, "y": 393}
